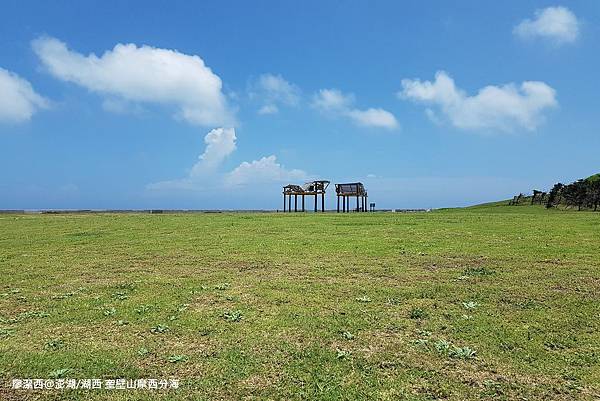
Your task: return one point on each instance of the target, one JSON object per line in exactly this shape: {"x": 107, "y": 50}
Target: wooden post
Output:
{"x": 338, "y": 203}
{"x": 295, "y": 202}
{"x": 284, "y": 202}
{"x": 316, "y": 201}
{"x": 289, "y": 203}
{"x": 303, "y": 202}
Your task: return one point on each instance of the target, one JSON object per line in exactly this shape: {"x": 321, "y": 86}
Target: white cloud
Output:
{"x": 332, "y": 100}
{"x": 142, "y": 74}
{"x": 373, "y": 118}
{"x": 335, "y": 102}
{"x": 557, "y": 24}
{"x": 268, "y": 109}
{"x": 504, "y": 108}
{"x": 220, "y": 143}
{"x": 273, "y": 90}
{"x": 278, "y": 89}
{"x": 264, "y": 170}
{"x": 18, "y": 101}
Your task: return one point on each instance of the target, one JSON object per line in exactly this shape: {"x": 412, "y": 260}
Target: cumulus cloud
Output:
{"x": 220, "y": 143}
{"x": 333, "y": 101}
{"x": 273, "y": 90}
{"x": 373, "y": 118}
{"x": 264, "y": 170}
{"x": 557, "y": 24}
{"x": 142, "y": 74}
{"x": 18, "y": 101}
{"x": 504, "y": 108}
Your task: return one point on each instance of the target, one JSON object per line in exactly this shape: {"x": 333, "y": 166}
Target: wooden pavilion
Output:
{"x": 311, "y": 188}
{"x": 349, "y": 190}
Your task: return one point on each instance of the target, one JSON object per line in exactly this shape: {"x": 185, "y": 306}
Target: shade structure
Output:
{"x": 346, "y": 191}
{"x": 311, "y": 189}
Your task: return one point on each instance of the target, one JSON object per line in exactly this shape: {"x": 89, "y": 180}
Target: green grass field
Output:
{"x": 490, "y": 302}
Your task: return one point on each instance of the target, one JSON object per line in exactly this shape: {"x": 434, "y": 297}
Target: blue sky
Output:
{"x": 216, "y": 105}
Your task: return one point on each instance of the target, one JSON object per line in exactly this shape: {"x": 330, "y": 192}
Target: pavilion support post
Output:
{"x": 316, "y": 201}
{"x": 302, "y": 202}
{"x": 338, "y": 203}
{"x": 284, "y": 202}
{"x": 289, "y": 203}
{"x": 295, "y": 202}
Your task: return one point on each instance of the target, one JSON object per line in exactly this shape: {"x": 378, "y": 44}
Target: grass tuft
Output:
{"x": 159, "y": 329}
{"x": 232, "y": 316}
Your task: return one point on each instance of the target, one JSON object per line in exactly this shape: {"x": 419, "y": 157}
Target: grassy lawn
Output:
{"x": 490, "y": 302}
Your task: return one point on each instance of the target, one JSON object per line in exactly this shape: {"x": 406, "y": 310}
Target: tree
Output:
{"x": 537, "y": 195}
{"x": 575, "y": 194}
{"x": 594, "y": 194}
{"x": 555, "y": 195}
